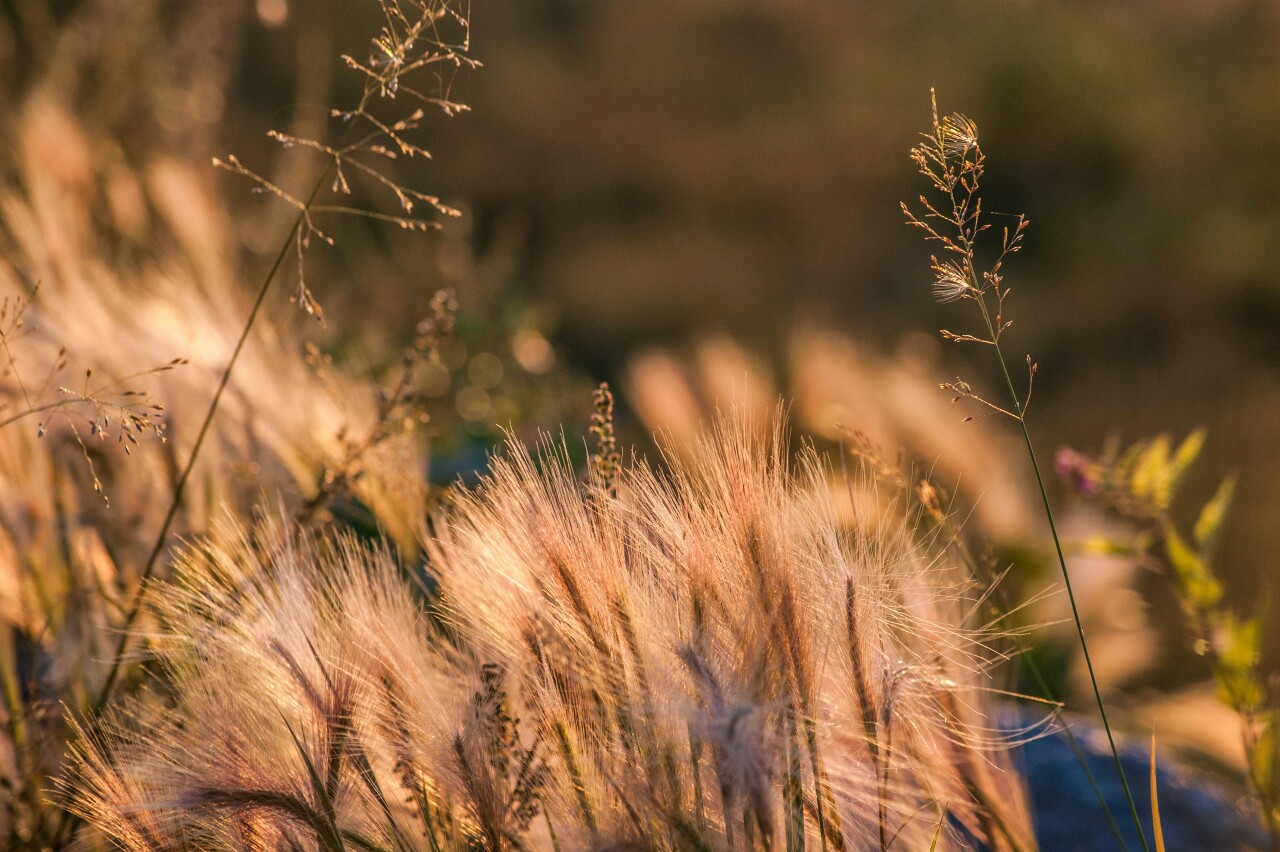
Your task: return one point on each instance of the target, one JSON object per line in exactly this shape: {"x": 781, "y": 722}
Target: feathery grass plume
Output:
{"x": 282, "y": 424}
{"x": 661, "y": 668}
{"x": 304, "y": 697}
{"x": 707, "y": 602}
{"x": 308, "y": 699}
{"x": 834, "y": 384}
{"x": 88, "y": 230}
{"x": 951, "y": 159}
{"x": 418, "y": 38}
{"x": 282, "y": 421}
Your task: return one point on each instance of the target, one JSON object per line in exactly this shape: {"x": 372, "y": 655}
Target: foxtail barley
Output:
{"x": 68, "y": 562}
{"x": 708, "y": 659}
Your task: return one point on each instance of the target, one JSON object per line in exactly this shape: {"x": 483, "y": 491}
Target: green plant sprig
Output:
{"x": 1141, "y": 483}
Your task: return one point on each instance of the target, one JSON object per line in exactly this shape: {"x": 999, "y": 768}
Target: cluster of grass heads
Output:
{"x": 83, "y": 504}
{"x": 708, "y": 657}
{"x": 88, "y": 522}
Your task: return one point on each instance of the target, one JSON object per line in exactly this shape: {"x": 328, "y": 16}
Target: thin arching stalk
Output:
{"x": 179, "y": 489}
{"x": 70, "y": 821}
{"x": 380, "y": 82}
{"x": 1020, "y": 416}
{"x": 1034, "y": 668}
{"x": 952, "y": 159}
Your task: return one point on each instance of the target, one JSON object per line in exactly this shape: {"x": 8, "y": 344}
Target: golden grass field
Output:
{"x": 314, "y": 535}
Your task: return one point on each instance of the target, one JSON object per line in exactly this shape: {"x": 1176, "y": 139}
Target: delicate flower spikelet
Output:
{"x": 951, "y": 281}
{"x": 606, "y": 460}
{"x": 709, "y": 659}
{"x": 959, "y": 135}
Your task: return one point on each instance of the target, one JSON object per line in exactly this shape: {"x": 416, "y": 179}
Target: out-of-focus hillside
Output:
{"x": 656, "y": 169}
{"x": 675, "y": 166}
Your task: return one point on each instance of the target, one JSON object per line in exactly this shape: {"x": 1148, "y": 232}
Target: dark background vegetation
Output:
{"x": 648, "y": 171}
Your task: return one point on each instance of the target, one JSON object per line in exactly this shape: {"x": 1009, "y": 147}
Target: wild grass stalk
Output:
{"x": 953, "y": 162}
{"x": 134, "y": 609}
{"x": 409, "y": 42}
{"x": 412, "y": 40}
{"x": 69, "y": 561}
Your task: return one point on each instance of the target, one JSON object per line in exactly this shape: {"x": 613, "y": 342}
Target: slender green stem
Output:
{"x": 1062, "y": 563}
{"x": 71, "y": 821}
{"x": 149, "y": 569}
{"x": 1045, "y": 692}
{"x": 1034, "y": 668}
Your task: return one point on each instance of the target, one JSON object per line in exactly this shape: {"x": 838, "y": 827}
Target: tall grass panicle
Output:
{"x": 951, "y": 159}
{"x": 98, "y": 409}
{"x": 710, "y": 659}
{"x": 422, "y": 43}
{"x": 418, "y": 39}
{"x": 107, "y": 269}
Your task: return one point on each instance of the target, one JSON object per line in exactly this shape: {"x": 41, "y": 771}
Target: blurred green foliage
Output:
{"x": 1141, "y": 483}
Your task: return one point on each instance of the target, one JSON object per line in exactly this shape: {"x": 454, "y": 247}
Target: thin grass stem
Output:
{"x": 1034, "y": 668}
{"x": 179, "y": 489}
{"x": 70, "y": 822}
{"x": 1046, "y": 692}
{"x": 1066, "y": 576}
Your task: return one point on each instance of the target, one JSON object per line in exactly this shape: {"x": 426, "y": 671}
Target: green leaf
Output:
{"x": 1212, "y": 515}
{"x": 1238, "y": 646}
{"x": 1240, "y": 643}
{"x": 1186, "y": 454}
{"x": 1150, "y": 475}
{"x": 1156, "y": 469}
{"x": 1197, "y": 586}
{"x": 1101, "y": 545}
